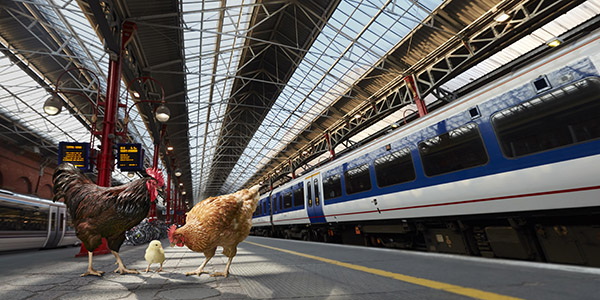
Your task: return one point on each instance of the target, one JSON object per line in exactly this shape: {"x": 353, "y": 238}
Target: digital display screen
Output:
{"x": 130, "y": 157}
{"x": 77, "y": 154}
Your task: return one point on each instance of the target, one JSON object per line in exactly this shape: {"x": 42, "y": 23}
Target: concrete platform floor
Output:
{"x": 281, "y": 269}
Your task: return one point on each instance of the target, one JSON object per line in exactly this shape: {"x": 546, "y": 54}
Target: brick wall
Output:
{"x": 19, "y": 172}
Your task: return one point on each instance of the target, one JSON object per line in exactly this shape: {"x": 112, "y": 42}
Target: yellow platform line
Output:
{"x": 451, "y": 288}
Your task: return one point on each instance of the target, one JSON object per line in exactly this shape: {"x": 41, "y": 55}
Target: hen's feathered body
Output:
{"x": 101, "y": 212}
{"x": 218, "y": 221}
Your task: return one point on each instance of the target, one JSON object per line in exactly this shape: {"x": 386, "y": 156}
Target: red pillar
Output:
{"x": 410, "y": 84}
{"x": 106, "y": 159}
{"x": 292, "y": 169}
{"x": 154, "y": 166}
{"x": 168, "y": 198}
{"x": 176, "y": 198}
{"x": 331, "y": 150}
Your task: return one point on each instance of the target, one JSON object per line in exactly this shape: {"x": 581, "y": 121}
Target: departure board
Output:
{"x": 130, "y": 157}
{"x": 77, "y": 154}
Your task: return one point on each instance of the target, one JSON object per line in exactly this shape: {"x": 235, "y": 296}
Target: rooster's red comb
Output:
{"x": 156, "y": 174}
{"x": 171, "y": 232}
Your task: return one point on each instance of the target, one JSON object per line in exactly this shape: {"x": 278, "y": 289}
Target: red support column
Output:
{"x": 155, "y": 166}
{"x": 410, "y": 84}
{"x": 331, "y": 150}
{"x": 177, "y": 205}
{"x": 106, "y": 159}
{"x": 168, "y": 198}
{"x": 292, "y": 169}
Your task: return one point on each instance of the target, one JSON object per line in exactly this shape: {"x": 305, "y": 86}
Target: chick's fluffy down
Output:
{"x": 155, "y": 253}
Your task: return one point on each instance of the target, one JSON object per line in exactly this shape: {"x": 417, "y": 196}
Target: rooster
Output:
{"x": 217, "y": 221}
{"x": 104, "y": 212}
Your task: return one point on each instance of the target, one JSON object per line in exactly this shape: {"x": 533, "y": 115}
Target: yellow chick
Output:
{"x": 155, "y": 254}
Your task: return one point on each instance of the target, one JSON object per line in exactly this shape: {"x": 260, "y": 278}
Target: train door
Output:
{"x": 51, "y": 240}
{"x": 62, "y": 220}
{"x": 273, "y": 204}
{"x": 314, "y": 199}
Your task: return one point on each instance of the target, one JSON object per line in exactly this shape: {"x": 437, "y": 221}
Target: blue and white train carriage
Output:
{"x": 511, "y": 170}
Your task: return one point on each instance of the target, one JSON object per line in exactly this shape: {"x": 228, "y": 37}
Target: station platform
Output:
{"x": 282, "y": 269}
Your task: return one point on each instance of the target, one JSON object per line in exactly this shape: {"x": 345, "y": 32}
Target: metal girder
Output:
{"x": 111, "y": 36}
{"x": 469, "y": 48}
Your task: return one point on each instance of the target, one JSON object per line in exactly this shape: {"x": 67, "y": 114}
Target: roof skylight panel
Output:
{"x": 324, "y": 44}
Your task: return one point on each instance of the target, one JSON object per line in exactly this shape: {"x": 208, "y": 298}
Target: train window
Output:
{"x": 309, "y": 193}
{"x": 287, "y": 200}
{"x": 299, "y": 197}
{"x": 395, "y": 168}
{"x": 541, "y": 84}
{"x": 357, "y": 179}
{"x": 458, "y": 149}
{"x": 265, "y": 211}
{"x": 317, "y": 194}
{"x": 332, "y": 187}
{"x": 565, "y": 116}
{"x": 22, "y": 217}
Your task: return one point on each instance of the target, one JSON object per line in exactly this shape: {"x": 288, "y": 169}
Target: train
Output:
{"x": 28, "y": 222}
{"x": 509, "y": 170}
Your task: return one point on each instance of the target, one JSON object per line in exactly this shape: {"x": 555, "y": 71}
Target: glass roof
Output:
{"x": 356, "y": 36}
{"x": 212, "y": 43}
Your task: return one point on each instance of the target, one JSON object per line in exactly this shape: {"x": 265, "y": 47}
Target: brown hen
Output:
{"x": 217, "y": 221}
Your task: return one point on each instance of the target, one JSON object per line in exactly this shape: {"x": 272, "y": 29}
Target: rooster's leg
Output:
{"x": 200, "y": 269}
{"x": 224, "y": 273}
{"x": 90, "y": 270}
{"x": 148, "y": 268}
{"x": 160, "y": 269}
{"x": 121, "y": 269}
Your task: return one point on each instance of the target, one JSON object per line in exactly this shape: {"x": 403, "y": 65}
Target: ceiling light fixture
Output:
{"x": 52, "y": 105}
{"x": 170, "y": 148}
{"x": 555, "y": 42}
{"x": 162, "y": 113}
{"x": 130, "y": 174}
{"x": 136, "y": 94}
{"x": 178, "y": 172}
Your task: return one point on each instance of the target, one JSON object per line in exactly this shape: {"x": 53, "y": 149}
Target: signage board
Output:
{"x": 77, "y": 154}
{"x": 130, "y": 157}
